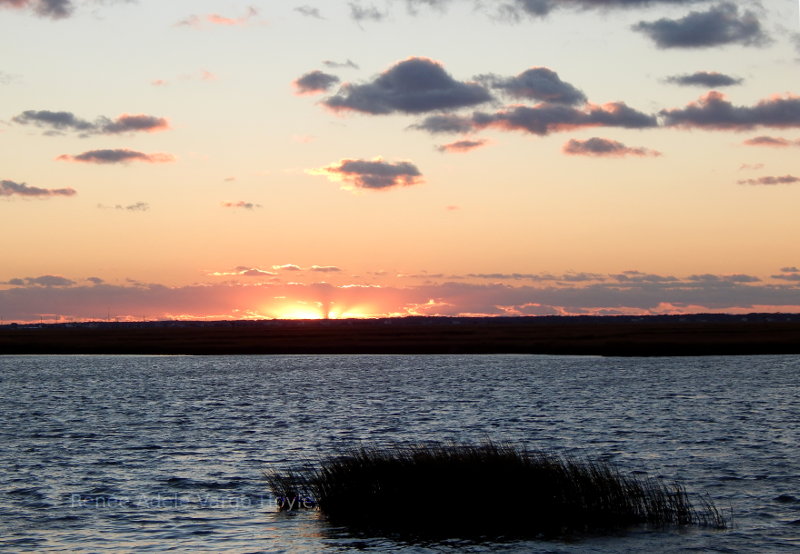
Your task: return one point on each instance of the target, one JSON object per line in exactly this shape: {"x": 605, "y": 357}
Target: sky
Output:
{"x": 199, "y": 159}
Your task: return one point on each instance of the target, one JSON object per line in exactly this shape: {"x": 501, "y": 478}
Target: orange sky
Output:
{"x": 414, "y": 157}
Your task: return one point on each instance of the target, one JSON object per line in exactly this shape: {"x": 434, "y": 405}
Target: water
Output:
{"x": 143, "y": 453}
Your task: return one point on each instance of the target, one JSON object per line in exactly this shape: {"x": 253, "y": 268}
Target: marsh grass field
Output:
{"x": 613, "y": 336}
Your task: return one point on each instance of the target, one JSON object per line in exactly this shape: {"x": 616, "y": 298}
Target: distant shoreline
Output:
{"x": 705, "y": 334}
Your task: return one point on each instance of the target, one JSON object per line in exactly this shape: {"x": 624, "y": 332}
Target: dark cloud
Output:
{"x": 641, "y": 277}
{"x": 710, "y": 79}
{"x": 788, "y": 277}
{"x": 95, "y": 280}
{"x": 448, "y": 123}
{"x": 415, "y": 85}
{"x": 547, "y": 118}
{"x": 42, "y": 281}
{"x": 714, "y": 111}
{"x": 461, "y": 145}
{"x": 374, "y": 174}
{"x": 720, "y": 24}
{"x": 366, "y": 13}
{"x": 67, "y": 121}
{"x": 782, "y": 180}
{"x": 348, "y": 64}
{"x": 603, "y": 147}
{"x": 516, "y": 9}
{"x": 710, "y": 278}
{"x": 10, "y": 188}
{"x": 315, "y": 82}
{"x": 241, "y": 204}
{"x": 119, "y": 155}
{"x": 775, "y": 142}
{"x": 788, "y": 274}
{"x": 538, "y": 83}
{"x": 55, "y": 9}
{"x": 309, "y": 11}
{"x": 127, "y": 123}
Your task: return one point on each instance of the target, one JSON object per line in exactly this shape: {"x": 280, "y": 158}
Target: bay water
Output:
{"x": 167, "y": 453}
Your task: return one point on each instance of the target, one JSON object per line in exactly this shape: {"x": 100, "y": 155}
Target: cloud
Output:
{"x": 784, "y": 180}
{"x": 720, "y": 24}
{"x": 217, "y": 19}
{"x": 241, "y": 204}
{"x": 788, "y": 274}
{"x": 137, "y": 207}
{"x": 67, "y": 121}
{"x": 55, "y": 9}
{"x": 537, "y": 83}
{"x": 127, "y": 123}
{"x": 788, "y": 277}
{"x": 375, "y": 174}
{"x": 325, "y": 268}
{"x": 230, "y": 300}
{"x": 602, "y": 147}
{"x": 751, "y": 166}
{"x": 309, "y": 11}
{"x": 714, "y": 111}
{"x": 11, "y": 188}
{"x": 414, "y": 85}
{"x": 775, "y": 142}
{"x": 287, "y": 267}
{"x": 315, "y": 82}
{"x": 42, "y": 281}
{"x": 544, "y": 119}
{"x": 462, "y": 145}
{"x": 119, "y": 155}
{"x": 736, "y": 278}
{"x": 244, "y": 271}
{"x": 348, "y": 64}
{"x": 710, "y": 79}
{"x": 361, "y": 13}
{"x": 516, "y": 9}
{"x": 448, "y": 123}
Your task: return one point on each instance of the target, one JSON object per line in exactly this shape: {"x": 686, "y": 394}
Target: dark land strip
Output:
{"x": 584, "y": 335}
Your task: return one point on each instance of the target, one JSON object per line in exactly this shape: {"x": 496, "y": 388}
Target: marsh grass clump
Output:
{"x": 484, "y": 490}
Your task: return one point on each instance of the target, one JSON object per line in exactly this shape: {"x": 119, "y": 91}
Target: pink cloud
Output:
{"x": 774, "y": 142}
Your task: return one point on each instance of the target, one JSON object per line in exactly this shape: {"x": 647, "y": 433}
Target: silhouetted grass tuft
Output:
{"x": 484, "y": 490}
